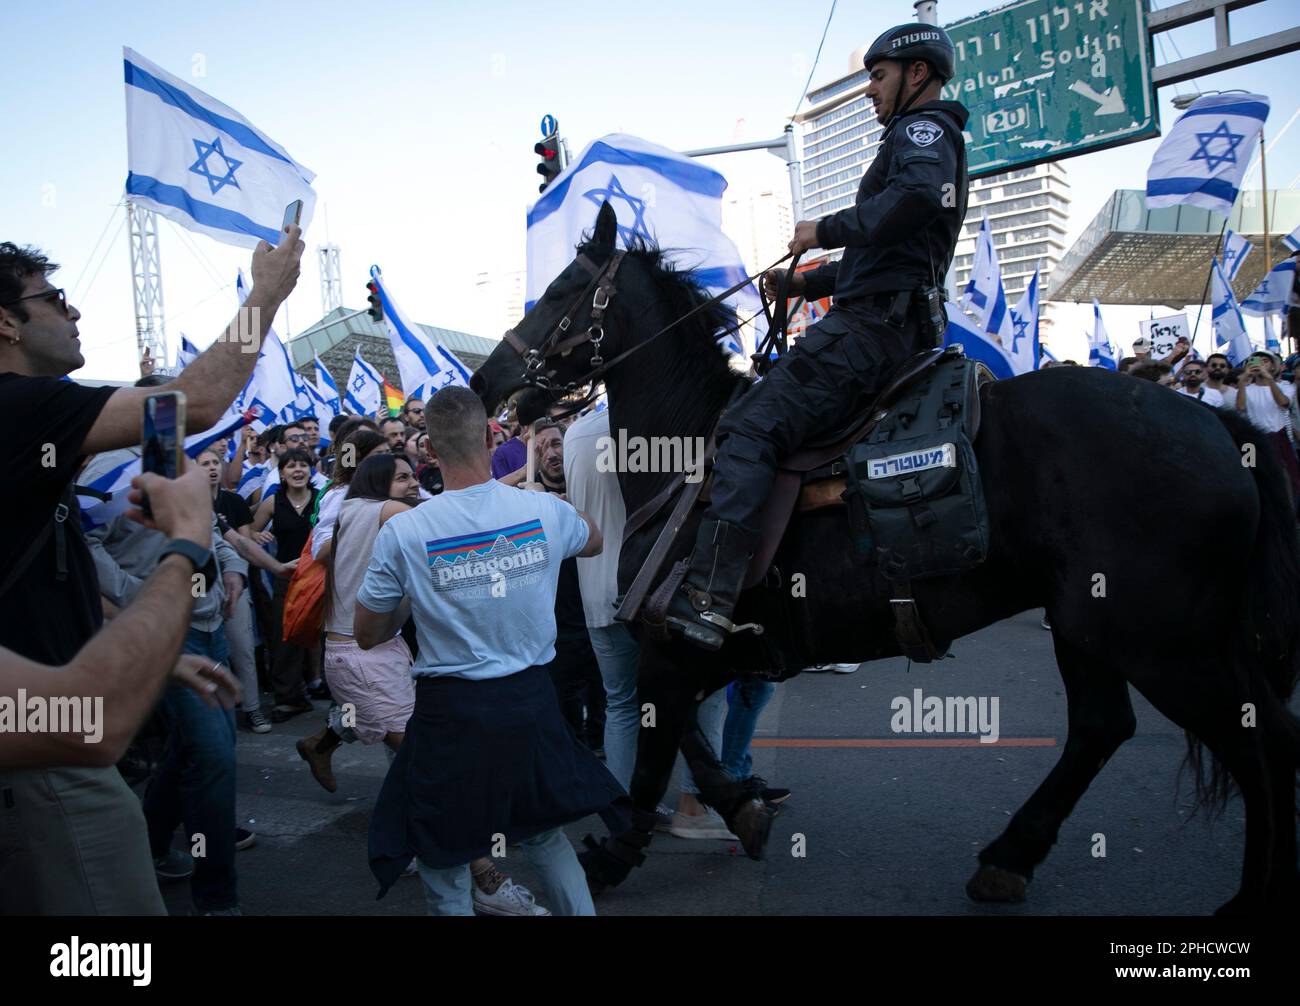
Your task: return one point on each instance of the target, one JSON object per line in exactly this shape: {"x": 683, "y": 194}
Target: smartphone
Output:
{"x": 163, "y": 445}
{"x": 292, "y": 214}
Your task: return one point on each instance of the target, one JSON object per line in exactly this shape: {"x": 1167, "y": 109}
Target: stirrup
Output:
{"x": 727, "y": 625}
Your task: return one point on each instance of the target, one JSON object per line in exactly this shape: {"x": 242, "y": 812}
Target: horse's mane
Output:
{"x": 679, "y": 292}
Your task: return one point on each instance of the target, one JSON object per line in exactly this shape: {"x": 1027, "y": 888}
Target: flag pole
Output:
{"x": 1263, "y": 180}
{"x": 1208, "y": 274}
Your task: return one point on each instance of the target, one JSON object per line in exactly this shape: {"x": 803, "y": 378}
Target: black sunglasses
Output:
{"x": 44, "y": 295}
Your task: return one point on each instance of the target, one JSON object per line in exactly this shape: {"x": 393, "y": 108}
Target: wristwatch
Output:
{"x": 201, "y": 557}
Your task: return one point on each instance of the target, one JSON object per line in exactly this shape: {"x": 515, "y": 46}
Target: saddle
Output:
{"x": 925, "y": 396}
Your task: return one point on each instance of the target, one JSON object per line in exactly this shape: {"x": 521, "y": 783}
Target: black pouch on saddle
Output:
{"x": 914, "y": 490}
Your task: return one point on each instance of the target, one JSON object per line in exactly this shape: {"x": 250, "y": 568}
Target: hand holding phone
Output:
{"x": 162, "y": 449}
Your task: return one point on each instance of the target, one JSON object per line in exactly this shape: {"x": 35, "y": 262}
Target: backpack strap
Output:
{"x": 56, "y": 526}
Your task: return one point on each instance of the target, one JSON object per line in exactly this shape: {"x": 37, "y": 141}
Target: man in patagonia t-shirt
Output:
{"x": 488, "y": 758}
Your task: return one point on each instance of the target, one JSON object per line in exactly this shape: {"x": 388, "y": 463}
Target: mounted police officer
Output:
{"x": 898, "y": 241}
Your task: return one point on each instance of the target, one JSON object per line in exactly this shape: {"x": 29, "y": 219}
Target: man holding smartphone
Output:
{"x": 81, "y": 844}
{"x": 1266, "y": 401}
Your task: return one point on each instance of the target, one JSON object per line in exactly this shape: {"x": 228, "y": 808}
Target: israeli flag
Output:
{"x": 976, "y": 344}
{"x": 1235, "y": 250}
{"x": 981, "y": 294}
{"x": 1203, "y": 158}
{"x": 186, "y": 353}
{"x": 425, "y": 364}
{"x": 323, "y": 405}
{"x": 326, "y": 387}
{"x": 251, "y": 480}
{"x": 1292, "y": 240}
{"x": 274, "y": 384}
{"x": 1024, "y": 324}
{"x": 1047, "y": 354}
{"x": 116, "y": 481}
{"x": 1229, "y": 325}
{"x": 203, "y": 165}
{"x": 1273, "y": 291}
{"x": 1100, "y": 351}
{"x": 365, "y": 387}
{"x": 1271, "y": 341}
{"x": 659, "y": 196}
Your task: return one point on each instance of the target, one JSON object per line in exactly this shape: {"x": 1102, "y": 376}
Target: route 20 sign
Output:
{"x": 1046, "y": 79}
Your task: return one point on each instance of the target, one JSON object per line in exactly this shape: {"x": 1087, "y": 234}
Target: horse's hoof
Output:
{"x": 992, "y": 883}
{"x": 752, "y": 823}
{"x": 602, "y": 869}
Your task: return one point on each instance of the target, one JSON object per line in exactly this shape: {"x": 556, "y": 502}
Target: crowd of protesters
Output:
{"x": 465, "y": 572}
{"x": 184, "y": 620}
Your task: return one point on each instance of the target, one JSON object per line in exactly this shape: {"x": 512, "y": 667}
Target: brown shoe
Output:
{"x": 317, "y": 760}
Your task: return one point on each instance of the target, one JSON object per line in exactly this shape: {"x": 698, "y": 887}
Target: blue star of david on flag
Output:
{"x": 1021, "y": 329}
{"x": 1227, "y": 155}
{"x": 201, "y": 166}
{"x": 614, "y": 191}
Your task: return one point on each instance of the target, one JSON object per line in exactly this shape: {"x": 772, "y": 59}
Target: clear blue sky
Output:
{"x": 419, "y": 118}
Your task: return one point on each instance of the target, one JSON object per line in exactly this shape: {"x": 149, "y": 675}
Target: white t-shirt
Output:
{"x": 1262, "y": 410}
{"x": 595, "y": 493}
{"x": 1207, "y": 395}
{"x": 480, "y": 566}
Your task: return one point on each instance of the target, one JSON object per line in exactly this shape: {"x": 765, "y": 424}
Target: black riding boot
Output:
{"x": 701, "y": 611}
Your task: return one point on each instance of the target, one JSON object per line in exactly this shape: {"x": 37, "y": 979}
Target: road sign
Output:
{"x": 549, "y": 126}
{"x": 1046, "y": 79}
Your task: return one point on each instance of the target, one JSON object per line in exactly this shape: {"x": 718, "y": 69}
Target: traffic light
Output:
{"x": 549, "y": 151}
{"x": 376, "y": 311}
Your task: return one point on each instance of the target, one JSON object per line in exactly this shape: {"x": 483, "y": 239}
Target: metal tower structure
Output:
{"x": 331, "y": 278}
{"x": 146, "y": 284}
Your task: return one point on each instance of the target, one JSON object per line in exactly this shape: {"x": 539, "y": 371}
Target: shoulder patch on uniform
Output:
{"x": 908, "y": 156}
{"x": 923, "y": 133}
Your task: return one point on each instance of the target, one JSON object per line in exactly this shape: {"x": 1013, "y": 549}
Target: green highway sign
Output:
{"x": 1047, "y": 79}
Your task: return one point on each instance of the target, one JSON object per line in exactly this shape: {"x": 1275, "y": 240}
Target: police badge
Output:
{"x": 924, "y": 133}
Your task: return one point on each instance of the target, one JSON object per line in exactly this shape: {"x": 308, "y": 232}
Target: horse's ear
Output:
{"x": 606, "y": 227}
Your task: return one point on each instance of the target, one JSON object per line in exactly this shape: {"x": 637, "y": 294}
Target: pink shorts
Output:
{"x": 375, "y": 683}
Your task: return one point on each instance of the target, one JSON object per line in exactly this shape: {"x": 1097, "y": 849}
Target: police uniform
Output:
{"x": 897, "y": 238}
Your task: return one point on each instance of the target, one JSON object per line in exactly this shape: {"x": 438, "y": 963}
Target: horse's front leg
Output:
{"x": 666, "y": 693}
{"x": 740, "y": 804}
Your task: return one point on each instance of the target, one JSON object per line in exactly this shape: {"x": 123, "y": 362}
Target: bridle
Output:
{"x": 558, "y": 342}
{"x": 601, "y": 289}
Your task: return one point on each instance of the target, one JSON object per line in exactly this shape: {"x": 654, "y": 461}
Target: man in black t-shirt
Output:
{"x": 73, "y": 840}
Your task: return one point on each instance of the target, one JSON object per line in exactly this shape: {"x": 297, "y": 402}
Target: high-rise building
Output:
{"x": 760, "y": 222}
{"x": 1027, "y": 208}
{"x": 499, "y": 299}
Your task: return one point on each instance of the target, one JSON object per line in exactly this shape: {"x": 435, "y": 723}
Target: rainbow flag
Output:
{"x": 393, "y": 398}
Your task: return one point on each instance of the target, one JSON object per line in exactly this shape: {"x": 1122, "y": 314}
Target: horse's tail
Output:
{"x": 1266, "y": 658}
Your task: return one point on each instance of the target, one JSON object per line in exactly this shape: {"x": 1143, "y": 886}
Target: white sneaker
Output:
{"x": 510, "y": 899}
{"x": 844, "y": 668}
{"x": 706, "y": 825}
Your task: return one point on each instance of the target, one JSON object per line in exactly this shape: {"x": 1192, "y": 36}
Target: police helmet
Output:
{"x": 908, "y": 42}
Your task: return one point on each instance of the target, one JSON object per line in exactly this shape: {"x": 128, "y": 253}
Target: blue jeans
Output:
{"x": 745, "y": 701}
{"x": 565, "y": 891}
{"x": 195, "y": 783}
{"x": 617, "y": 653}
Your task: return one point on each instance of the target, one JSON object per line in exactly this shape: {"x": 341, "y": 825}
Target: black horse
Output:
{"x": 1070, "y": 459}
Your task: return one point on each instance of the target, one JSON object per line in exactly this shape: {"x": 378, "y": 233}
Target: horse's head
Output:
{"x": 562, "y": 340}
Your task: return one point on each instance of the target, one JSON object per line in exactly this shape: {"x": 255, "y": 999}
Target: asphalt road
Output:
{"x": 886, "y": 830}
